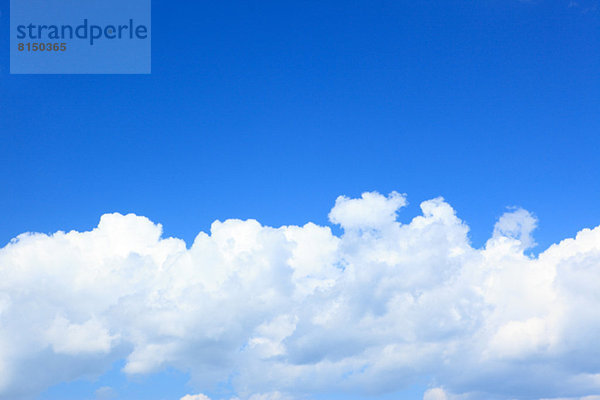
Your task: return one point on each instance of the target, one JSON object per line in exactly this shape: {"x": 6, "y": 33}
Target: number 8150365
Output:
{"x": 42, "y": 46}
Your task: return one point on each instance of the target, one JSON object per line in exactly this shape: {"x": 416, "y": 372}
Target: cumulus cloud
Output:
{"x": 299, "y": 310}
{"x": 518, "y": 224}
{"x": 372, "y": 210}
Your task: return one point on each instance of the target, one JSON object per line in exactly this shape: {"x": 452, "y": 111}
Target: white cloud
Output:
{"x": 435, "y": 394}
{"x": 73, "y": 339}
{"x": 518, "y": 225}
{"x": 296, "y": 309}
{"x": 269, "y": 396}
{"x": 372, "y": 210}
{"x": 195, "y": 397}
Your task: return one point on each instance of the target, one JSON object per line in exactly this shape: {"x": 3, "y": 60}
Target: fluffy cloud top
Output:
{"x": 297, "y": 309}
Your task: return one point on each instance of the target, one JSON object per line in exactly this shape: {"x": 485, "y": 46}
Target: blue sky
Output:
{"x": 271, "y": 110}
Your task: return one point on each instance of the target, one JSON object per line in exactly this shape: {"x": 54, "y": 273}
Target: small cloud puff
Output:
{"x": 518, "y": 225}
{"x": 372, "y": 210}
{"x": 105, "y": 393}
{"x": 195, "y": 397}
{"x": 435, "y": 394}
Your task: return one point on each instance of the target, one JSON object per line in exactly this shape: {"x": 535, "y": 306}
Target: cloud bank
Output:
{"x": 293, "y": 311}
